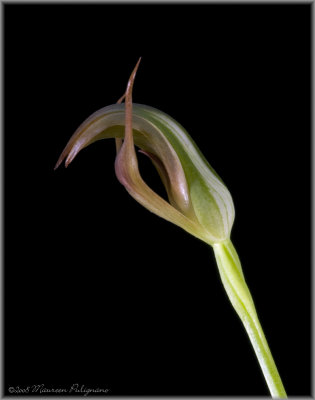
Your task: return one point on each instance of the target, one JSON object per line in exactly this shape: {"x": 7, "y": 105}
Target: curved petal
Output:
{"x": 127, "y": 172}
{"x": 102, "y": 124}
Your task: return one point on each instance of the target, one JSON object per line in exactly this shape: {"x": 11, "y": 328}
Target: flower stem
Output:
{"x": 237, "y": 290}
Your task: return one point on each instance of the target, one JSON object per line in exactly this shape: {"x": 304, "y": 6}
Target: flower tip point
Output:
{"x": 133, "y": 74}
{"x": 57, "y": 165}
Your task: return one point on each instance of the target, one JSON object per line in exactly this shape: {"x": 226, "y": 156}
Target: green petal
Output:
{"x": 211, "y": 200}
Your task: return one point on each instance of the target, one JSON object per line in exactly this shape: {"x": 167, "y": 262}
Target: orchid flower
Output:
{"x": 199, "y": 202}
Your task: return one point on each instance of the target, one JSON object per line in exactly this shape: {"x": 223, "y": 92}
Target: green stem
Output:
{"x": 234, "y": 283}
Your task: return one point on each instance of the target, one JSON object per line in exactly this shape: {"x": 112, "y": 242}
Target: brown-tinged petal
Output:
{"x": 127, "y": 172}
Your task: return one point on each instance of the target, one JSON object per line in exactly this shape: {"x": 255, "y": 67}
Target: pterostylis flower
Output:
{"x": 199, "y": 202}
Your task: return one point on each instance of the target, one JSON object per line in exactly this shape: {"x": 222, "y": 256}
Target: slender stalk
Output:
{"x": 237, "y": 290}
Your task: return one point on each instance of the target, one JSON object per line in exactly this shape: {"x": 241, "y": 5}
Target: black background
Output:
{"x": 99, "y": 291}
